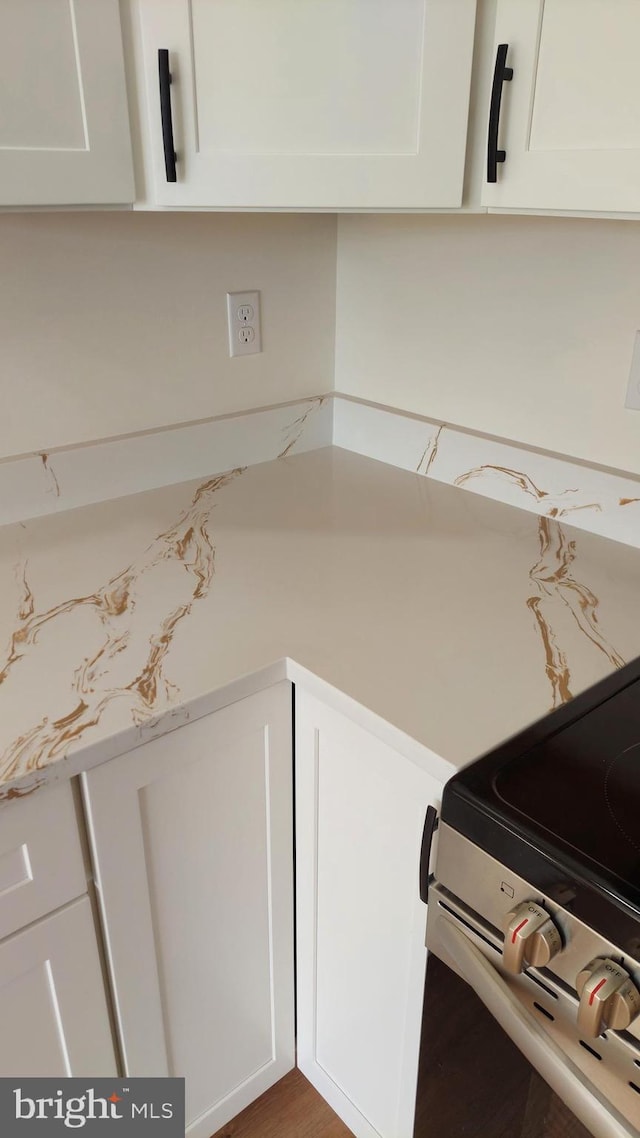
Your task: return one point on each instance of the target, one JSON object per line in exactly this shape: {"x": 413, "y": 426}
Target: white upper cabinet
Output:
{"x": 308, "y": 104}
{"x": 64, "y": 125}
{"x": 570, "y": 117}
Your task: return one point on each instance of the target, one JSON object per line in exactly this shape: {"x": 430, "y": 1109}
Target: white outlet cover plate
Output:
{"x": 633, "y": 387}
{"x": 243, "y": 317}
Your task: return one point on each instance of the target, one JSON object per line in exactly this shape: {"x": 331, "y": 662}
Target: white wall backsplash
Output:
{"x": 113, "y": 323}
{"x": 116, "y": 378}
{"x": 585, "y": 497}
{"x": 46, "y": 483}
{"x": 521, "y": 327}
{"x": 592, "y": 499}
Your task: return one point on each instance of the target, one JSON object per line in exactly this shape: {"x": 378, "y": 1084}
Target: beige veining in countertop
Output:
{"x": 453, "y": 617}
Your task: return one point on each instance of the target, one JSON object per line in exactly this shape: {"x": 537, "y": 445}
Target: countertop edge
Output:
{"x": 95, "y": 754}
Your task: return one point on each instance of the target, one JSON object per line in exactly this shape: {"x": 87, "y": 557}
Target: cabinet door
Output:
{"x": 360, "y": 810}
{"x": 322, "y": 104}
{"x": 53, "y": 1013}
{"x": 64, "y": 126}
{"x": 570, "y": 121}
{"x": 193, "y": 847}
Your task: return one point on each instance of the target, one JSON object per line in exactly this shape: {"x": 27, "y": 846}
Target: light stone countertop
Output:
{"x": 454, "y": 618}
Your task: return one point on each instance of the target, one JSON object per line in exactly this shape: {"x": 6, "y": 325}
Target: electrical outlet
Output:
{"x": 243, "y": 316}
{"x": 633, "y": 387}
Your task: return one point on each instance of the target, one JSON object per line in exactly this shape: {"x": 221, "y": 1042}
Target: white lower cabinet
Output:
{"x": 41, "y": 862}
{"x": 192, "y": 839}
{"x": 360, "y": 810}
{"x": 53, "y": 1013}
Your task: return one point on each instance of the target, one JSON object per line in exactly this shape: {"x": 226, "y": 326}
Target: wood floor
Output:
{"x": 291, "y": 1109}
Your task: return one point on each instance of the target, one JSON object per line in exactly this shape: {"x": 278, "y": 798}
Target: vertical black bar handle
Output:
{"x": 501, "y": 74}
{"x": 164, "y": 76}
{"x": 430, "y": 825}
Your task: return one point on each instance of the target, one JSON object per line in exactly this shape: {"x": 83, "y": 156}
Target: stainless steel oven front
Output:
{"x": 529, "y": 1027}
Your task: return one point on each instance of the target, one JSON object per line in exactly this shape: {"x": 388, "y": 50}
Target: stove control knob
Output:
{"x": 530, "y": 937}
{"x": 608, "y": 997}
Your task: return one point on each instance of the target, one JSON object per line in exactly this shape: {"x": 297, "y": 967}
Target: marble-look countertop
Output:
{"x": 455, "y": 618}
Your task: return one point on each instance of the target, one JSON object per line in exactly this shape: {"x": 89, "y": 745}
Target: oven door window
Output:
{"x": 473, "y": 1082}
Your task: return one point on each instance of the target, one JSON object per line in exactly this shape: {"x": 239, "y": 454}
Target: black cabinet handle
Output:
{"x": 164, "y": 76}
{"x": 501, "y": 74}
{"x": 430, "y": 826}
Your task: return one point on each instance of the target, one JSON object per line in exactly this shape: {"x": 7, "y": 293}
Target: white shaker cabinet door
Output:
{"x": 64, "y": 124}
{"x": 192, "y": 842}
{"x": 570, "y": 117}
{"x": 53, "y": 1013}
{"x": 361, "y": 957}
{"x": 310, "y": 104}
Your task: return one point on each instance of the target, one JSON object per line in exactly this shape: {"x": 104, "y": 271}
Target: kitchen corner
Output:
{"x": 420, "y": 624}
{"x": 319, "y": 568}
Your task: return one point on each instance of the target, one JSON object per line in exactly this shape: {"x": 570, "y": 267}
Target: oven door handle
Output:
{"x": 541, "y": 1051}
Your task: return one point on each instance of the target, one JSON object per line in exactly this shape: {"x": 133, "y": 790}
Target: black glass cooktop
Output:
{"x": 560, "y": 804}
{"x": 583, "y": 786}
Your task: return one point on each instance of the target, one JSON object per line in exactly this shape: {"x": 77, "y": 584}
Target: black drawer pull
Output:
{"x": 164, "y": 76}
{"x": 501, "y": 74}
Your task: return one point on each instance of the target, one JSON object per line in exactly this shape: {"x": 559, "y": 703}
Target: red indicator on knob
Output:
{"x": 596, "y": 990}
{"x": 516, "y": 931}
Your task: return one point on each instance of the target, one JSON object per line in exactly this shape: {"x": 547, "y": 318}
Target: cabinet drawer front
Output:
{"x": 41, "y": 864}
